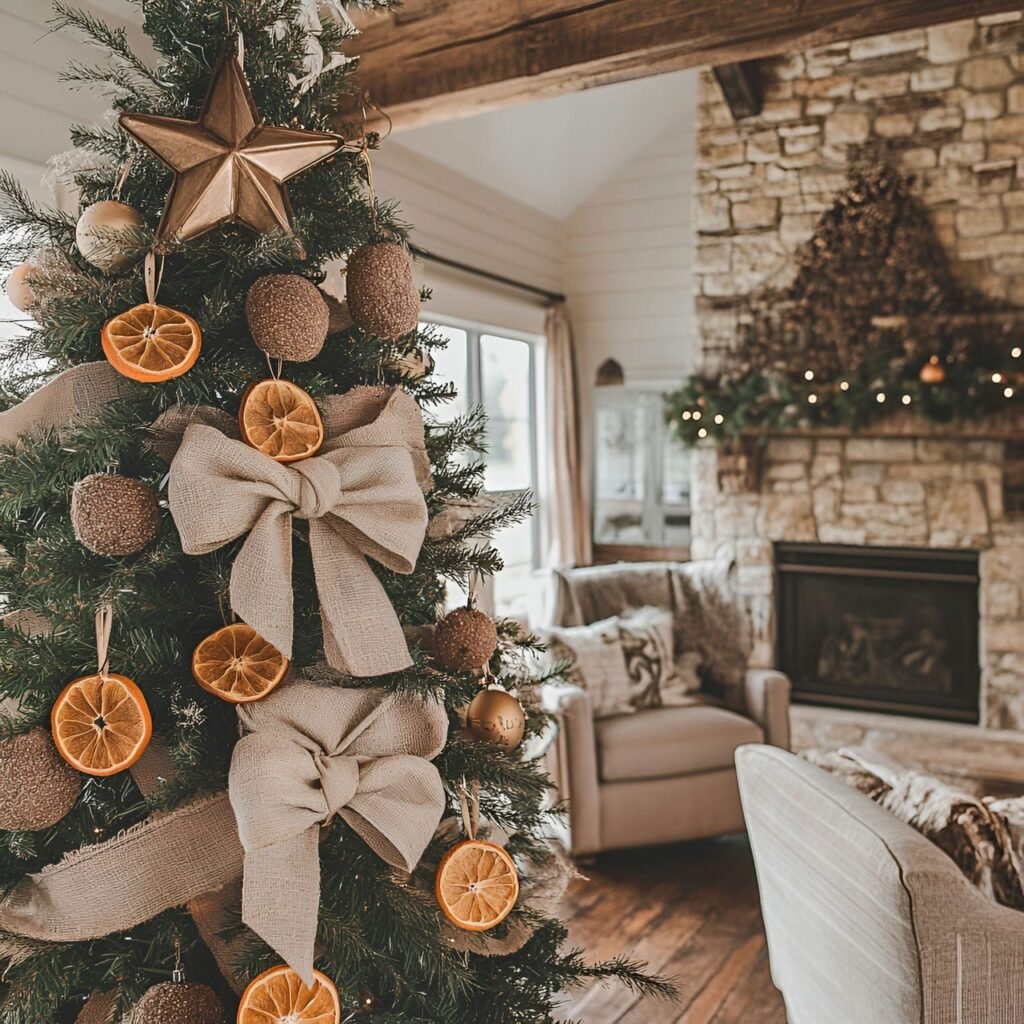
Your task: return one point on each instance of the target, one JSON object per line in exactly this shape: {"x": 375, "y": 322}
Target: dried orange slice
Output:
{"x": 279, "y": 419}
{"x": 477, "y": 885}
{"x": 152, "y": 343}
{"x": 101, "y": 724}
{"x": 238, "y": 665}
{"x": 278, "y": 996}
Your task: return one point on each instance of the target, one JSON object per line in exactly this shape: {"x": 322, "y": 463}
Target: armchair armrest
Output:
{"x": 572, "y": 762}
{"x": 766, "y": 695}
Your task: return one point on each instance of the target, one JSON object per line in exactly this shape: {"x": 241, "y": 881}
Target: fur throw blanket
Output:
{"x": 985, "y": 837}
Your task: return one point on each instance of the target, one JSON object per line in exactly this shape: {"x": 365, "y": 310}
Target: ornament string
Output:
{"x": 153, "y": 271}
{"x": 469, "y": 800}
{"x": 121, "y": 179}
{"x": 104, "y": 624}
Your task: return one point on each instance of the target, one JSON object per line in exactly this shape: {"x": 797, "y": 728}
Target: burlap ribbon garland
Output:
{"x": 309, "y": 754}
{"x": 363, "y": 499}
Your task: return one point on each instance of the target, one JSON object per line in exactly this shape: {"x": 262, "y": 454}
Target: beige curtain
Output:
{"x": 568, "y": 515}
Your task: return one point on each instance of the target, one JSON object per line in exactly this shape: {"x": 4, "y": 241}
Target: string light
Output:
{"x": 687, "y": 415}
{"x": 702, "y": 432}
{"x": 808, "y": 375}
{"x": 906, "y": 399}
{"x": 719, "y": 419}
{"x": 696, "y": 414}
{"x": 880, "y": 397}
{"x": 1015, "y": 351}
{"x": 844, "y": 385}
{"x": 997, "y": 378}
{"x": 812, "y": 398}
{"x": 1007, "y": 392}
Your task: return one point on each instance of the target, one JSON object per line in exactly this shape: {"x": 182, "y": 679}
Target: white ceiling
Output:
{"x": 552, "y": 154}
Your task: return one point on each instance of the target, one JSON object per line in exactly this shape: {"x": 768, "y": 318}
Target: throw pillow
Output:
{"x": 710, "y": 621}
{"x": 970, "y": 830}
{"x": 647, "y": 645}
{"x": 596, "y": 665}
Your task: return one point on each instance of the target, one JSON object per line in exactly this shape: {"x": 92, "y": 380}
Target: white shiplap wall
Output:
{"x": 469, "y": 222}
{"x": 628, "y": 257}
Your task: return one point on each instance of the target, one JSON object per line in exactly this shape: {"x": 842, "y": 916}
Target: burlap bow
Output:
{"x": 310, "y": 754}
{"x": 363, "y": 499}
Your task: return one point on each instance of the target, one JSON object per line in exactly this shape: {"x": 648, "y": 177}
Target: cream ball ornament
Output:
{"x": 19, "y": 287}
{"x": 98, "y": 230}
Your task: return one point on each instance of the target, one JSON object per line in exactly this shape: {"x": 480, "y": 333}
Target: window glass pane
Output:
{"x": 621, "y": 471}
{"x": 509, "y": 455}
{"x": 451, "y": 364}
{"x": 513, "y": 586}
{"x": 505, "y": 369}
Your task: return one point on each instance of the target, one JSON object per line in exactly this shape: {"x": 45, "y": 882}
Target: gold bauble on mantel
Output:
{"x": 933, "y": 372}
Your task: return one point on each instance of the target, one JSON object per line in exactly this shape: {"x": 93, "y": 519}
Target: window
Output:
{"x": 501, "y": 370}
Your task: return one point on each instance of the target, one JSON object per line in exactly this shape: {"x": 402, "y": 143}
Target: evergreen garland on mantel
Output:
{"x": 874, "y": 322}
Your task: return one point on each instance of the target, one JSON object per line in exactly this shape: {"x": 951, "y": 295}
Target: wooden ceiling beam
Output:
{"x": 435, "y": 60}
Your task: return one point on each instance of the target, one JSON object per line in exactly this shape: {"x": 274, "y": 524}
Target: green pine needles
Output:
{"x": 377, "y": 934}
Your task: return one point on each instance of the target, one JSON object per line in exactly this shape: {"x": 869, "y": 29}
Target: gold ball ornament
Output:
{"x": 287, "y": 316}
{"x": 382, "y": 296}
{"x": 496, "y": 717}
{"x": 39, "y": 787}
{"x": 96, "y": 234}
{"x": 179, "y": 1002}
{"x": 933, "y": 372}
{"x": 18, "y": 287}
{"x": 465, "y": 640}
{"x": 114, "y": 515}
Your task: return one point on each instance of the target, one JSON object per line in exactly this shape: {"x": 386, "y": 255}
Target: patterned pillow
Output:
{"x": 597, "y": 663}
{"x": 647, "y": 645}
{"x": 972, "y": 831}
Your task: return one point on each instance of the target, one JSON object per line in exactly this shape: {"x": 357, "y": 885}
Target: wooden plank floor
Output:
{"x": 691, "y": 911}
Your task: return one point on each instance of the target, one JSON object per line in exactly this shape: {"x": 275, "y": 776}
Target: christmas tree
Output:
{"x": 249, "y": 765}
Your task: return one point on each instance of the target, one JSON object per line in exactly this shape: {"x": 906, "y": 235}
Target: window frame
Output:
{"x": 475, "y": 331}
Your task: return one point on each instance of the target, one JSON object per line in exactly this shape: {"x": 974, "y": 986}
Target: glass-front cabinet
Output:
{"x": 641, "y": 476}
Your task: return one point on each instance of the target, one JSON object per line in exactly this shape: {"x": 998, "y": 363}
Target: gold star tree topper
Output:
{"x": 228, "y": 166}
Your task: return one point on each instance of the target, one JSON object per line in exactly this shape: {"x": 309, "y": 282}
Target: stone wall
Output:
{"x": 946, "y": 103}
{"x": 888, "y": 491}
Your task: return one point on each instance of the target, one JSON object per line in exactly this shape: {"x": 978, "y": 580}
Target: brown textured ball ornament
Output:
{"x": 287, "y": 316}
{"x": 497, "y": 717}
{"x": 465, "y": 640}
{"x": 99, "y": 1009}
{"x": 182, "y": 1002}
{"x": 39, "y": 787}
{"x": 114, "y": 515}
{"x": 381, "y": 293}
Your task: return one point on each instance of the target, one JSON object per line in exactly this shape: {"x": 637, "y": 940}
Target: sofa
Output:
{"x": 868, "y": 922}
{"x": 659, "y": 775}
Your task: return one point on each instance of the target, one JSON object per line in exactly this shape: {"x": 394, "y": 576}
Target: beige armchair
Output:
{"x": 867, "y": 920}
{"x": 660, "y": 775}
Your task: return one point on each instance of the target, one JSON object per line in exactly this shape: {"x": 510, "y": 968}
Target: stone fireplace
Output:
{"x": 875, "y": 494}
{"x": 946, "y": 105}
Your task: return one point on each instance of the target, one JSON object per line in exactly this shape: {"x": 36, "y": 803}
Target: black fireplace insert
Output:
{"x": 884, "y": 629}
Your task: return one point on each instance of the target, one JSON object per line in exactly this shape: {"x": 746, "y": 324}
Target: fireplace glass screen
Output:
{"x": 880, "y": 628}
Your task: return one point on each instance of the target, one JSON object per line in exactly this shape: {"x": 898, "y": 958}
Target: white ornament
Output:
{"x": 19, "y": 287}
{"x": 308, "y": 19}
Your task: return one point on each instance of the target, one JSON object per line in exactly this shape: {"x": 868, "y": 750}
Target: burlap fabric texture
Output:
{"x": 362, "y": 496}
